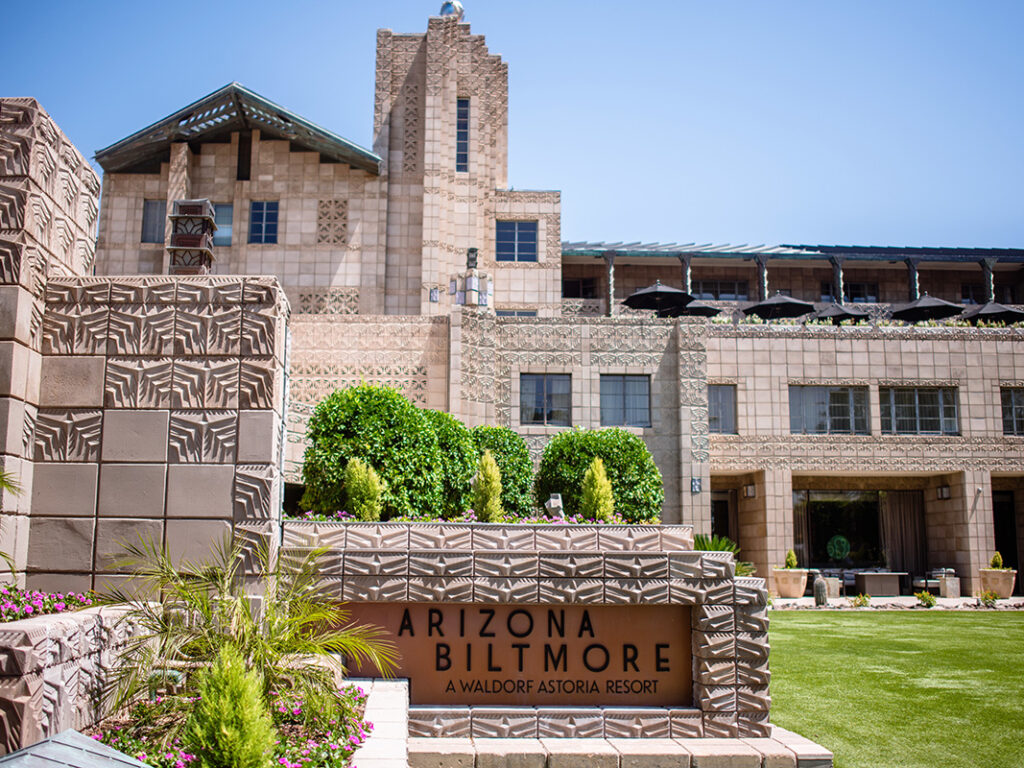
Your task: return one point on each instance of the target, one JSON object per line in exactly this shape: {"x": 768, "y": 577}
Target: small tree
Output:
{"x": 510, "y": 452}
{"x": 363, "y": 490}
{"x": 597, "y": 502}
{"x": 487, "y": 490}
{"x": 230, "y": 726}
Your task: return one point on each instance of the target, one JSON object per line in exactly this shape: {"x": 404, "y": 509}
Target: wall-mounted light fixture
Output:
{"x": 696, "y": 485}
{"x": 942, "y": 492}
{"x": 750, "y": 491}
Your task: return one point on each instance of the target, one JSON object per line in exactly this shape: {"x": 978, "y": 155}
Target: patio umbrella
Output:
{"x": 926, "y": 308}
{"x": 657, "y": 297}
{"x": 778, "y": 306}
{"x": 691, "y": 308}
{"x": 839, "y": 312}
{"x": 993, "y": 312}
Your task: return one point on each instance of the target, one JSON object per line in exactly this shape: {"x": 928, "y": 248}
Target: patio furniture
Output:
{"x": 879, "y": 583}
{"x": 944, "y": 581}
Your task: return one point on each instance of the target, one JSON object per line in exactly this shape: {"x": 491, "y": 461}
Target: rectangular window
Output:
{"x": 853, "y": 293}
{"x": 1013, "y": 411}
{"x": 545, "y": 398}
{"x": 720, "y": 290}
{"x": 461, "y": 135}
{"x": 515, "y": 312}
{"x": 579, "y": 288}
{"x": 223, "y": 215}
{"x": 919, "y": 410}
{"x": 625, "y": 401}
{"x": 263, "y": 222}
{"x": 154, "y": 221}
{"x": 516, "y": 241}
{"x": 828, "y": 410}
{"x": 722, "y": 408}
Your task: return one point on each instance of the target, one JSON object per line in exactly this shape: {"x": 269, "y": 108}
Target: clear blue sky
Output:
{"x": 887, "y": 123}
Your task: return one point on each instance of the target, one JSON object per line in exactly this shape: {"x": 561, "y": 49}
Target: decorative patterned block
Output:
{"x": 714, "y": 645}
{"x": 209, "y": 290}
{"x": 676, "y": 538}
{"x": 504, "y": 564}
{"x": 721, "y": 698}
{"x": 713, "y": 672}
{"x": 571, "y": 565}
{"x": 375, "y": 589}
{"x": 636, "y": 591}
{"x": 255, "y": 496}
{"x": 67, "y": 435}
{"x": 377, "y": 536}
{"x": 138, "y": 383}
{"x": 750, "y": 591}
{"x": 571, "y": 591}
{"x": 685, "y": 565}
{"x": 751, "y": 618}
{"x": 74, "y": 329}
{"x": 207, "y": 329}
{"x": 569, "y": 723}
{"x": 379, "y": 563}
{"x": 566, "y": 537}
{"x": 718, "y": 591}
{"x": 440, "y": 590}
{"x": 753, "y": 698}
{"x": 686, "y": 723}
{"x": 635, "y": 566}
{"x": 718, "y": 565}
{"x": 500, "y": 590}
{"x": 629, "y": 537}
{"x": 440, "y": 537}
{"x": 142, "y": 290}
{"x": 752, "y": 645}
{"x": 454, "y": 564}
{"x": 209, "y": 437}
{"x": 257, "y": 387}
{"x": 259, "y": 331}
{"x": 755, "y": 725}
{"x": 752, "y": 672}
{"x": 720, "y": 725}
{"x": 686, "y": 591}
{"x": 436, "y": 722}
{"x": 207, "y": 383}
{"x": 498, "y": 723}
{"x": 647, "y": 723}
{"x": 713, "y": 618}
{"x": 503, "y": 537}
{"x": 141, "y": 329}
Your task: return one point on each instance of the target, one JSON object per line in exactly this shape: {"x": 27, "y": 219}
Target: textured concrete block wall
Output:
{"x": 160, "y": 416}
{"x": 48, "y": 209}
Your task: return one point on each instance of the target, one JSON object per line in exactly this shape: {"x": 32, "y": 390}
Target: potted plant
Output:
{"x": 996, "y": 578}
{"x": 790, "y": 581}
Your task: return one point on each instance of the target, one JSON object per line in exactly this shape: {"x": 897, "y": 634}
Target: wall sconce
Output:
{"x": 435, "y": 295}
{"x": 750, "y": 491}
{"x": 696, "y": 485}
{"x": 942, "y": 492}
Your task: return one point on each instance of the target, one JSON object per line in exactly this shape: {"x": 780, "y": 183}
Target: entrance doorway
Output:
{"x": 723, "y": 515}
{"x": 1004, "y": 517}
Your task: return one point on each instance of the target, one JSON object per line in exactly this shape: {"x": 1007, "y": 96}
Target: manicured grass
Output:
{"x": 906, "y": 689}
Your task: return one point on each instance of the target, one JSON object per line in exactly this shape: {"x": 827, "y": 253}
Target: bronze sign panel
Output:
{"x": 539, "y": 655}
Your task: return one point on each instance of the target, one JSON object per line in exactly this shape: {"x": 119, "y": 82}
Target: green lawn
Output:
{"x": 902, "y": 688}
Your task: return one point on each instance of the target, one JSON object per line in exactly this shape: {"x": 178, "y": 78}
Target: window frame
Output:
{"x": 889, "y": 413}
{"x": 546, "y": 398}
{"x": 260, "y": 236}
{"x": 219, "y": 236}
{"x": 713, "y": 401}
{"x": 798, "y": 409}
{"x": 462, "y": 116}
{"x": 625, "y": 378}
{"x": 715, "y": 293}
{"x": 520, "y": 245}
{"x": 1011, "y": 406}
{"x": 580, "y": 286}
{"x": 148, "y": 206}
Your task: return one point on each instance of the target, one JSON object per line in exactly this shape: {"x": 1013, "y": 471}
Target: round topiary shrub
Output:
{"x": 635, "y": 479}
{"x": 458, "y": 460}
{"x": 380, "y": 426}
{"x": 513, "y": 459}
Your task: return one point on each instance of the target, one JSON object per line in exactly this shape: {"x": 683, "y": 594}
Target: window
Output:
{"x": 625, "y": 401}
{"x": 722, "y": 408}
{"x": 720, "y": 290}
{"x": 828, "y": 410}
{"x": 154, "y": 221}
{"x": 223, "y": 215}
{"x": 516, "y": 312}
{"x": 545, "y": 398}
{"x": 461, "y": 135}
{"x": 1013, "y": 411}
{"x": 516, "y": 241}
{"x": 853, "y": 293}
{"x": 919, "y": 410}
{"x": 263, "y": 222}
{"x": 579, "y": 288}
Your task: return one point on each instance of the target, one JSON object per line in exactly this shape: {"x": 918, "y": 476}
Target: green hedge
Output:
{"x": 513, "y": 459}
{"x": 458, "y": 460}
{"x": 381, "y": 427}
{"x": 635, "y": 479}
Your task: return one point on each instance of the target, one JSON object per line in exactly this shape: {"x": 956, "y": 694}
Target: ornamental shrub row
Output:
{"x": 426, "y": 461}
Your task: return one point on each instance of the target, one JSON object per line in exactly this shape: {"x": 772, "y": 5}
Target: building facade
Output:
{"x": 412, "y": 264}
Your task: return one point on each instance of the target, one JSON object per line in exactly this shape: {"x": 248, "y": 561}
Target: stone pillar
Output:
{"x": 960, "y": 530}
{"x": 762, "y": 276}
{"x": 694, "y": 447}
{"x": 179, "y": 187}
{"x": 609, "y": 258}
{"x": 913, "y": 278}
{"x": 838, "y": 289}
{"x": 766, "y": 519}
{"x": 684, "y": 262}
{"x": 988, "y": 279}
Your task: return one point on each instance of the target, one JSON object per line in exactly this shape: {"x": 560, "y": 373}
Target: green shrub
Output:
{"x": 510, "y": 452}
{"x": 458, "y": 460}
{"x": 363, "y": 490}
{"x": 487, "y": 490}
{"x": 925, "y": 598}
{"x": 380, "y": 426}
{"x": 597, "y": 502}
{"x": 230, "y": 725}
{"x": 988, "y": 598}
{"x": 997, "y": 561}
{"x": 791, "y": 561}
{"x": 861, "y": 601}
{"x": 635, "y": 479}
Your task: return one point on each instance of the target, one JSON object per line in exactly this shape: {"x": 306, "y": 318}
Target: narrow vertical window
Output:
{"x": 461, "y": 135}
{"x": 154, "y": 217}
{"x": 722, "y": 408}
{"x": 223, "y": 215}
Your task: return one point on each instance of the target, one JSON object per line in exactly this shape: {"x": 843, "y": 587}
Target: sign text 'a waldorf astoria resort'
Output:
{"x": 536, "y": 655}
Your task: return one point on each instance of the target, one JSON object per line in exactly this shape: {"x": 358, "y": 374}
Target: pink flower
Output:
{"x": 97, "y": 736}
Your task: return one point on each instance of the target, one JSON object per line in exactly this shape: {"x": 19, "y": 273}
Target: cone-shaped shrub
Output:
{"x": 510, "y": 452}
{"x": 487, "y": 490}
{"x": 363, "y": 490}
{"x": 597, "y": 502}
{"x": 230, "y": 726}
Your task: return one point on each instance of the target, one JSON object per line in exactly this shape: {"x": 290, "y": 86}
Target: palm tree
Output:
{"x": 293, "y": 633}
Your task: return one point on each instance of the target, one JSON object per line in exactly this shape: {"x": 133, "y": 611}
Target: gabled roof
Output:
{"x": 232, "y": 108}
{"x": 69, "y": 749}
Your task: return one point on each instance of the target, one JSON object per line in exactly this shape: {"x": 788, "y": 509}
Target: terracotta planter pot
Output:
{"x": 790, "y": 582}
{"x": 998, "y": 580}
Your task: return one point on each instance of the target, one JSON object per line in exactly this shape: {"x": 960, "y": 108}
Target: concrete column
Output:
{"x": 687, "y": 281}
{"x": 762, "y": 276}
{"x": 988, "y": 279}
{"x": 179, "y": 187}
{"x": 960, "y": 530}
{"x": 609, "y": 259}
{"x": 913, "y": 278}
{"x": 766, "y": 519}
{"x": 694, "y": 486}
{"x": 838, "y": 288}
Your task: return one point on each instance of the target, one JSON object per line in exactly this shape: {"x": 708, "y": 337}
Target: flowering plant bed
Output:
{"x": 17, "y": 603}
{"x": 151, "y": 732}
{"x": 469, "y": 516}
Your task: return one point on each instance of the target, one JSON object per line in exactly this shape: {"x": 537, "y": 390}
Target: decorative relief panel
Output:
{"x": 332, "y": 222}
{"x": 207, "y": 329}
{"x": 67, "y": 435}
{"x": 333, "y": 301}
{"x": 209, "y": 437}
{"x": 74, "y": 330}
{"x": 141, "y": 329}
{"x": 254, "y": 496}
{"x": 138, "y": 382}
{"x": 207, "y": 383}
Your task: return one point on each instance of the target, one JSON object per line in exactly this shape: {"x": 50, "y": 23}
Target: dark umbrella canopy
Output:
{"x": 837, "y": 313}
{"x": 691, "y": 308}
{"x": 658, "y": 297}
{"x": 778, "y": 306}
{"x": 926, "y": 308}
{"x": 993, "y": 312}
